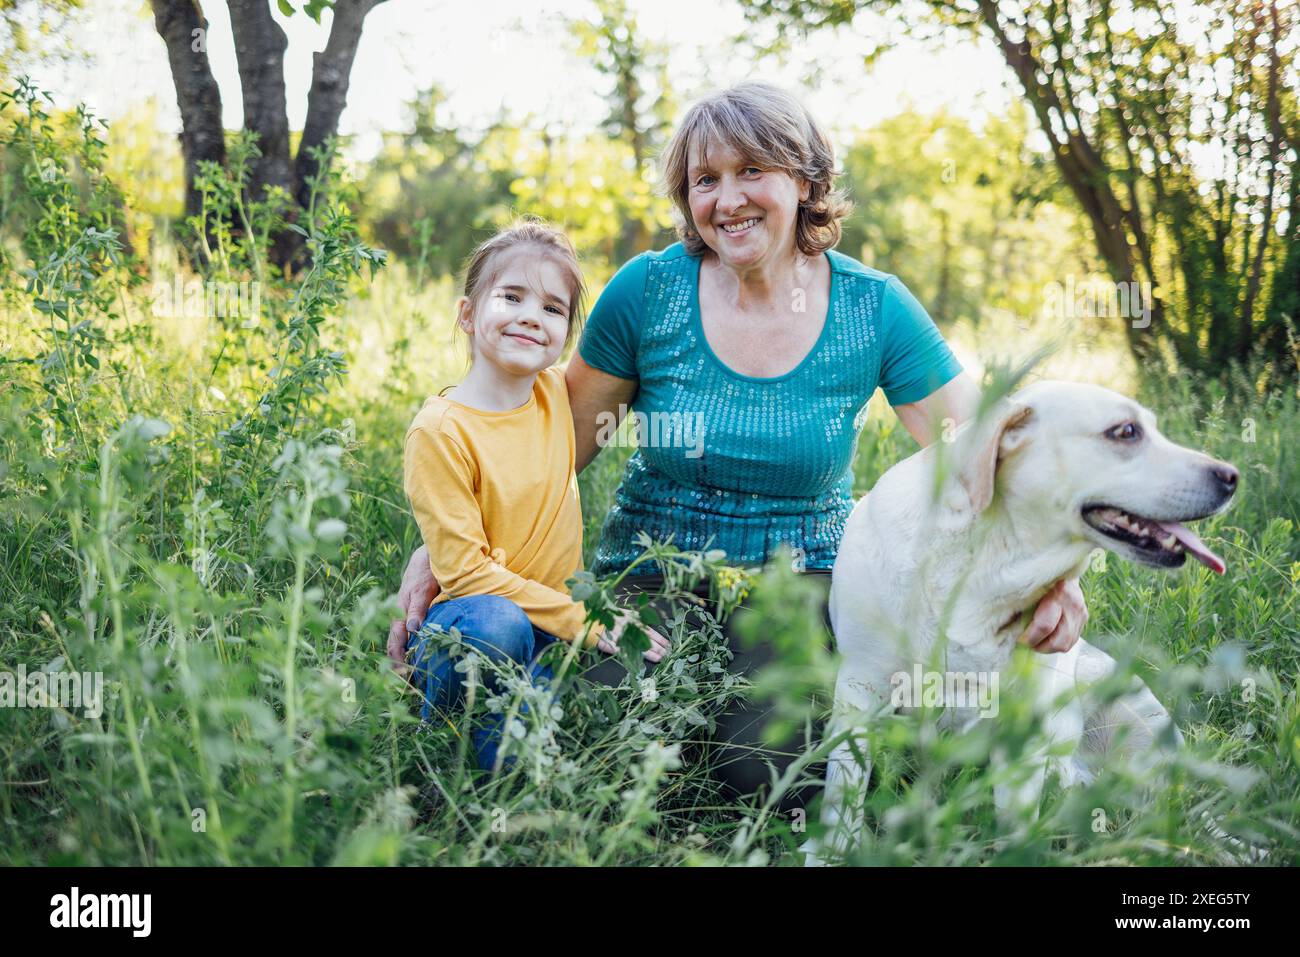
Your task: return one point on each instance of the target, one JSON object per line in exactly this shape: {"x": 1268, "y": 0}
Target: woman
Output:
{"x": 755, "y": 328}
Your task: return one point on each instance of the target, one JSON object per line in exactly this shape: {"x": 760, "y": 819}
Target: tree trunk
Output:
{"x": 331, "y": 69}
{"x": 259, "y": 52}
{"x": 183, "y": 28}
{"x": 1284, "y": 306}
{"x": 1082, "y": 168}
{"x": 1275, "y": 141}
{"x": 260, "y": 45}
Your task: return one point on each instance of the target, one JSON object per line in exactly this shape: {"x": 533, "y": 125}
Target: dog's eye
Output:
{"x": 1124, "y": 432}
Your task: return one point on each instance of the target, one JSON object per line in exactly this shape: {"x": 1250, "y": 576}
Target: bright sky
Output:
{"x": 492, "y": 53}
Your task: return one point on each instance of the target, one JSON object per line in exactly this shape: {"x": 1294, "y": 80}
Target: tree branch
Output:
{"x": 329, "y": 88}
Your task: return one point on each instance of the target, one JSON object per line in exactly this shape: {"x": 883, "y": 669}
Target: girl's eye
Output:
{"x": 556, "y": 309}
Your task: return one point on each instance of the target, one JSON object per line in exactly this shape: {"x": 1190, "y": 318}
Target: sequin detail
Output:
{"x": 777, "y": 457}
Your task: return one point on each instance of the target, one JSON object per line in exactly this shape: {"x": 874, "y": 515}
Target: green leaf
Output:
{"x": 315, "y": 7}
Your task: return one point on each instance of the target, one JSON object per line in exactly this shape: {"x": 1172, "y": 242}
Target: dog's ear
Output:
{"x": 990, "y": 442}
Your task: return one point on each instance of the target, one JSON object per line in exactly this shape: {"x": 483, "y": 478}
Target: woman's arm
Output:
{"x": 956, "y": 401}
{"x": 591, "y": 393}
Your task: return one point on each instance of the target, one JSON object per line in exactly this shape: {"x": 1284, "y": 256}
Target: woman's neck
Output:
{"x": 765, "y": 283}
{"x": 489, "y": 388}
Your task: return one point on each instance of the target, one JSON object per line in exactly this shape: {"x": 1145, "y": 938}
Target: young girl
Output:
{"x": 489, "y": 471}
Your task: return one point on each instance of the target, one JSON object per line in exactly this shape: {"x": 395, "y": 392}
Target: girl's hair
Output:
{"x": 486, "y": 261}
{"x": 769, "y": 126}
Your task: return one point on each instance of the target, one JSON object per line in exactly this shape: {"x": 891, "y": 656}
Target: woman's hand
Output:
{"x": 659, "y": 645}
{"x": 419, "y": 589}
{"x": 1058, "y": 620}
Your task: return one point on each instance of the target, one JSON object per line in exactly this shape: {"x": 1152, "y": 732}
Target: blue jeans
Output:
{"x": 497, "y": 628}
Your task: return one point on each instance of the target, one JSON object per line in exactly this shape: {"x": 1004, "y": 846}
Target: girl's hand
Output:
{"x": 419, "y": 589}
{"x": 659, "y": 645}
{"x": 1058, "y": 619}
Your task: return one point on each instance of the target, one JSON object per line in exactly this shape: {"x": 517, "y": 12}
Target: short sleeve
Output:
{"x": 915, "y": 360}
{"x": 609, "y": 339}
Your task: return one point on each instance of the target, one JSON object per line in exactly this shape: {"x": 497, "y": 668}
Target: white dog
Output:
{"x": 961, "y": 539}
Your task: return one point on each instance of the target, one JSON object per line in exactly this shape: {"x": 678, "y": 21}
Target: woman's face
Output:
{"x": 743, "y": 212}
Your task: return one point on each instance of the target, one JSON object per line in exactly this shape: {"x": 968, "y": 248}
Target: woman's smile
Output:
{"x": 741, "y": 227}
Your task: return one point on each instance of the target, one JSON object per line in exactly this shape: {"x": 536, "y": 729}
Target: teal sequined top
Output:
{"x": 741, "y": 463}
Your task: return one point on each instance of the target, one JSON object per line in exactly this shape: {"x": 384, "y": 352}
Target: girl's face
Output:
{"x": 521, "y": 323}
{"x": 743, "y": 212}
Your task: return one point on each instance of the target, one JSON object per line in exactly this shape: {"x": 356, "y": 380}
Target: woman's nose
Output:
{"x": 733, "y": 200}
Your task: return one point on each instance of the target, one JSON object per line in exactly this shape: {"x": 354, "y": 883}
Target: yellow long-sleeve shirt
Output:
{"x": 496, "y": 498}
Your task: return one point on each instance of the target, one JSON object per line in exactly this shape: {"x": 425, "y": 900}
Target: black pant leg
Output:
{"x": 741, "y": 763}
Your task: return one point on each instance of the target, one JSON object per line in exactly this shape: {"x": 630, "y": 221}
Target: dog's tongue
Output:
{"x": 1193, "y": 544}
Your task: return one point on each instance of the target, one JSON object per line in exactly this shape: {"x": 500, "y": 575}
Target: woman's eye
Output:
{"x": 754, "y": 168}
{"x": 1124, "y": 432}
{"x": 701, "y": 181}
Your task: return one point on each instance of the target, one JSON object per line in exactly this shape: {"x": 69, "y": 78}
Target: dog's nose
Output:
{"x": 1226, "y": 476}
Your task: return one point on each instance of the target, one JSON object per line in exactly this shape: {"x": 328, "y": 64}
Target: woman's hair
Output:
{"x": 769, "y": 126}
{"x": 485, "y": 263}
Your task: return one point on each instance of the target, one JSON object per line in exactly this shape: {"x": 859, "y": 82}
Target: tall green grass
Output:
{"x": 209, "y": 512}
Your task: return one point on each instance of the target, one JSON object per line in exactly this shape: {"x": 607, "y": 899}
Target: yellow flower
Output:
{"x": 732, "y": 579}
